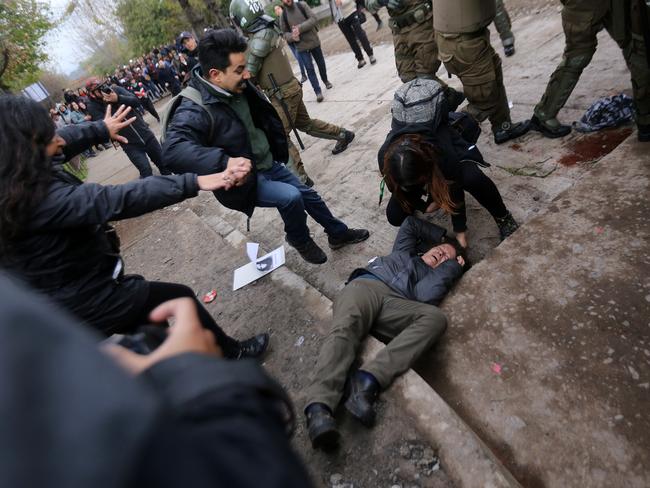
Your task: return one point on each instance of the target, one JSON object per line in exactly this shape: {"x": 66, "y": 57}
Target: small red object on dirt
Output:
{"x": 210, "y": 296}
{"x": 496, "y": 368}
{"x": 599, "y": 230}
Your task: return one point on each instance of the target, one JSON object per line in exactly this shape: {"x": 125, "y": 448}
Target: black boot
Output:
{"x": 363, "y": 391}
{"x": 253, "y": 347}
{"x": 309, "y": 251}
{"x": 321, "y": 427}
{"x": 507, "y": 225}
{"x": 344, "y": 142}
{"x": 508, "y": 131}
{"x": 350, "y": 236}
{"x": 550, "y": 128}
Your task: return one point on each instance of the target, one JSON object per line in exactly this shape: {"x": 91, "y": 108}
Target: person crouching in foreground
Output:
{"x": 394, "y": 298}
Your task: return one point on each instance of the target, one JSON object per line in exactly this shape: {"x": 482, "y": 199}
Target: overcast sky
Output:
{"x": 61, "y": 50}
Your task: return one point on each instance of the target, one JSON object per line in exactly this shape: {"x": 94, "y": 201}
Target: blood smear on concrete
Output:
{"x": 594, "y": 146}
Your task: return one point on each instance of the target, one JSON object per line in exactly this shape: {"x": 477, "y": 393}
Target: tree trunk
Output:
{"x": 195, "y": 18}
{"x": 220, "y": 20}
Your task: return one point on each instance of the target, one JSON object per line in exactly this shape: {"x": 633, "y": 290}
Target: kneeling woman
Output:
{"x": 426, "y": 170}
{"x": 54, "y": 231}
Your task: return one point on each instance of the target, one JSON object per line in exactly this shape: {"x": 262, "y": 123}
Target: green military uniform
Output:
{"x": 416, "y": 52}
{"x": 582, "y": 20}
{"x": 464, "y": 44}
{"x": 267, "y": 56}
{"x": 504, "y": 27}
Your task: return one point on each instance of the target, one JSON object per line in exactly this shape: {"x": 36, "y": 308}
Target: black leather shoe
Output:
{"x": 363, "y": 391}
{"x": 643, "y": 132}
{"x": 552, "y": 131}
{"x": 350, "y": 236}
{"x": 321, "y": 427}
{"x": 328, "y": 85}
{"x": 508, "y": 131}
{"x": 310, "y": 251}
{"x": 253, "y": 347}
{"x": 344, "y": 142}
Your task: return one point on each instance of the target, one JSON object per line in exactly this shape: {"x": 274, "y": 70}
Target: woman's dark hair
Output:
{"x": 216, "y": 46}
{"x": 411, "y": 163}
{"x": 25, "y": 170}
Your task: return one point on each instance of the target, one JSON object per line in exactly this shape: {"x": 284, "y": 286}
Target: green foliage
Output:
{"x": 112, "y": 53}
{"x": 149, "y": 23}
{"x": 23, "y": 23}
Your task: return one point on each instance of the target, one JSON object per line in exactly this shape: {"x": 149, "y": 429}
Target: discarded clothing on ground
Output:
{"x": 606, "y": 112}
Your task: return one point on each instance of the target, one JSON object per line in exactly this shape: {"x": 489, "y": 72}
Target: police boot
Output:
{"x": 321, "y": 427}
{"x": 550, "y": 128}
{"x": 508, "y": 131}
{"x": 643, "y": 132}
{"x": 363, "y": 391}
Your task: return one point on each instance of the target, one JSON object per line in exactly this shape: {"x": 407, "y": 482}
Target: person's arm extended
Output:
{"x": 80, "y": 137}
{"x": 90, "y": 203}
{"x": 414, "y": 231}
{"x": 124, "y": 97}
{"x": 184, "y": 149}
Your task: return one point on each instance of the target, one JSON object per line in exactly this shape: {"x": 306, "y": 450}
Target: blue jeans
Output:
{"x": 306, "y": 56}
{"x": 278, "y": 187}
{"x": 297, "y": 56}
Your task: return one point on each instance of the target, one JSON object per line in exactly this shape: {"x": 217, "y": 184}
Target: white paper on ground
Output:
{"x": 248, "y": 273}
{"x": 252, "y": 248}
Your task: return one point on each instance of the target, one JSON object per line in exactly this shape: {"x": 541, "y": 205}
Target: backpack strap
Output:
{"x": 192, "y": 94}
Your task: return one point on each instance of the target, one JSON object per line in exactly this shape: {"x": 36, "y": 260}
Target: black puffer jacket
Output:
{"x": 138, "y": 132}
{"x": 66, "y": 251}
{"x": 454, "y": 151}
{"x": 405, "y": 272}
{"x": 189, "y": 146}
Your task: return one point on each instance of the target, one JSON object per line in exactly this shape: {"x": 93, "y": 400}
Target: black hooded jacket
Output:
{"x": 454, "y": 151}
{"x": 196, "y": 143}
{"x": 69, "y": 252}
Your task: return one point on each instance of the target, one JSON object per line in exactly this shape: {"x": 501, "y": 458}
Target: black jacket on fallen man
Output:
{"x": 405, "y": 272}
{"x": 196, "y": 143}
{"x": 70, "y": 253}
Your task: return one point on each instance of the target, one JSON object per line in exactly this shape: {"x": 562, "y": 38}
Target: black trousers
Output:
{"x": 160, "y": 292}
{"x": 137, "y": 153}
{"x": 354, "y": 33}
{"x": 149, "y": 106}
{"x": 473, "y": 181}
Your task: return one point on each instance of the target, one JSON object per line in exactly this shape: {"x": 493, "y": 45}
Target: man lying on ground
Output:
{"x": 394, "y": 298}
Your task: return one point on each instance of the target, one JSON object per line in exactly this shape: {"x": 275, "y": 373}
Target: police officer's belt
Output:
{"x": 412, "y": 17}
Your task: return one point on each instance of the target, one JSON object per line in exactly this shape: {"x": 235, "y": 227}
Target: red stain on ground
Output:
{"x": 592, "y": 147}
{"x": 516, "y": 147}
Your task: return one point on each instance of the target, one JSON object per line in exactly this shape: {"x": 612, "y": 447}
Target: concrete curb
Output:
{"x": 466, "y": 459}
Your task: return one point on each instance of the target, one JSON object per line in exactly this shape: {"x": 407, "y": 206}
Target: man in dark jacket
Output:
{"x": 142, "y": 142}
{"x": 74, "y": 418}
{"x": 394, "y": 298}
{"x": 236, "y": 125}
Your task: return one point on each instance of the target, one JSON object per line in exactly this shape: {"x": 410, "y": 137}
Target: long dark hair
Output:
{"x": 411, "y": 162}
{"x": 25, "y": 170}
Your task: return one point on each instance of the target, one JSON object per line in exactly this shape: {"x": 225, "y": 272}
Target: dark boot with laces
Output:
{"x": 253, "y": 347}
{"x": 507, "y": 225}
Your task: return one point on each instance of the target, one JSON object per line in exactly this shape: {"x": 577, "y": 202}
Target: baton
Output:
{"x": 285, "y": 109}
